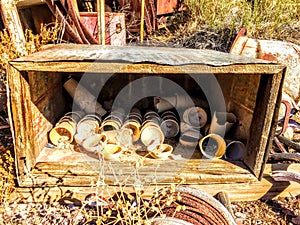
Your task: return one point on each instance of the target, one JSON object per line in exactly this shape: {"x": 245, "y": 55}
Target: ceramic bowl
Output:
{"x": 162, "y": 151}
{"x": 111, "y": 152}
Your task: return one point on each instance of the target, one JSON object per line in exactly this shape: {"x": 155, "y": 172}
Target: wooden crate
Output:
{"x": 37, "y": 100}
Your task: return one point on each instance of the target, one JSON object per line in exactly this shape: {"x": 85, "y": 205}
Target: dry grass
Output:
{"x": 8, "y": 50}
{"x": 120, "y": 209}
{"x": 264, "y": 19}
{"x": 105, "y": 205}
{"x": 7, "y": 175}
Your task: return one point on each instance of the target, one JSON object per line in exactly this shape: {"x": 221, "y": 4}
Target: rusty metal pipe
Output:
{"x": 57, "y": 13}
{"x": 288, "y": 108}
{"x": 88, "y": 34}
{"x": 279, "y": 145}
{"x": 102, "y": 8}
{"x": 75, "y": 19}
{"x": 142, "y": 21}
{"x": 198, "y": 208}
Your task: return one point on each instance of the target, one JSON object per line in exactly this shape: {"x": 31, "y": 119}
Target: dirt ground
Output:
{"x": 272, "y": 211}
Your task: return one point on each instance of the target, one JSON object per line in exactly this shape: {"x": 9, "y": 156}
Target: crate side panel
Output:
{"x": 244, "y": 90}
{"x": 226, "y": 84}
{"x": 260, "y": 130}
{"x": 47, "y": 105}
{"x": 242, "y": 102}
{"x": 19, "y": 100}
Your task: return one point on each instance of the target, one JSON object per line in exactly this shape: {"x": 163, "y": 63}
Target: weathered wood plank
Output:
{"x": 19, "y": 101}
{"x": 29, "y": 3}
{"x": 138, "y": 54}
{"x": 193, "y": 171}
{"x": 47, "y": 105}
{"x": 12, "y": 23}
{"x": 267, "y": 188}
{"x": 188, "y": 166}
{"x": 72, "y": 67}
{"x": 263, "y": 122}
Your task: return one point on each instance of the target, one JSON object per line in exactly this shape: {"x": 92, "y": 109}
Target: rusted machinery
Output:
{"x": 34, "y": 13}
{"x": 154, "y": 10}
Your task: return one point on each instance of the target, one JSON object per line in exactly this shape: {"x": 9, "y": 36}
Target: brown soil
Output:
{"x": 277, "y": 211}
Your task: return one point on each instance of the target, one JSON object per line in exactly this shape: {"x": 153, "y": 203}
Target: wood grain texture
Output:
{"x": 262, "y": 126}
{"x": 22, "y": 124}
{"x": 29, "y": 3}
{"x": 193, "y": 171}
{"x": 267, "y": 188}
{"x": 47, "y": 104}
{"x": 115, "y": 67}
{"x": 139, "y": 54}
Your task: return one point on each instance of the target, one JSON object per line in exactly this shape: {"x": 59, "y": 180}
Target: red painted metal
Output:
{"x": 115, "y": 27}
{"x": 236, "y": 43}
{"x": 168, "y": 6}
{"x": 288, "y": 108}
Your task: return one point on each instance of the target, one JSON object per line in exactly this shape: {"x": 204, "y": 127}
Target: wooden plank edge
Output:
{"x": 264, "y": 189}
{"x": 29, "y": 3}
{"x": 126, "y": 67}
{"x": 267, "y": 188}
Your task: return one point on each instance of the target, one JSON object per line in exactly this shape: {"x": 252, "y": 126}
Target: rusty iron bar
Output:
{"x": 241, "y": 33}
{"x": 153, "y": 10}
{"x": 279, "y": 145}
{"x": 99, "y": 20}
{"x": 197, "y": 211}
{"x": 88, "y": 34}
{"x": 4, "y": 127}
{"x": 84, "y": 34}
{"x": 80, "y": 26}
{"x": 75, "y": 19}
{"x": 285, "y": 156}
{"x": 102, "y": 8}
{"x": 294, "y": 145}
{"x": 58, "y": 14}
{"x": 142, "y": 21}
{"x": 288, "y": 109}
{"x": 286, "y": 176}
{"x": 149, "y": 26}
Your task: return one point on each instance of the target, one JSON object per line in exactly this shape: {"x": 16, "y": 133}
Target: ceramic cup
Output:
{"x": 212, "y": 146}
